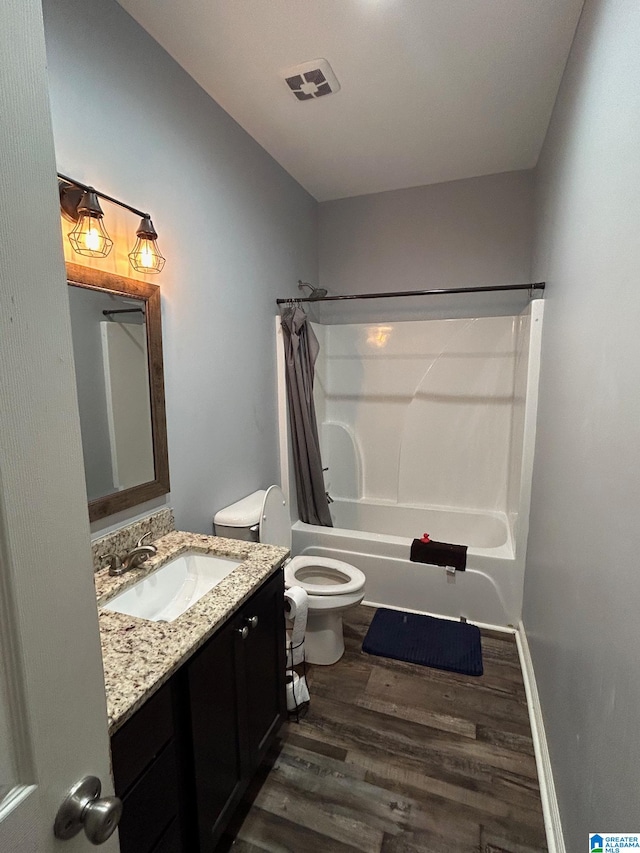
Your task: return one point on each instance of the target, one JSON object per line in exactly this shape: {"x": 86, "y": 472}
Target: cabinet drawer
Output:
{"x": 151, "y": 805}
{"x": 141, "y": 739}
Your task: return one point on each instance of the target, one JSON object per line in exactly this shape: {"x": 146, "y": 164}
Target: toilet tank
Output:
{"x": 240, "y": 520}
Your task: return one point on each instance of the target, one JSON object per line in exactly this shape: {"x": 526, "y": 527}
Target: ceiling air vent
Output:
{"x": 311, "y": 80}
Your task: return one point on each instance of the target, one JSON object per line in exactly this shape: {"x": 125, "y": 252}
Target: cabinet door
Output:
{"x": 141, "y": 739}
{"x": 151, "y": 805}
{"x": 146, "y": 773}
{"x": 264, "y": 667}
{"x": 213, "y": 695}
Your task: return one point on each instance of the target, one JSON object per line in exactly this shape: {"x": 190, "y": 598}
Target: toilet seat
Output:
{"x": 275, "y": 522}
{"x": 347, "y": 579}
{"x": 332, "y": 586}
{"x": 332, "y": 577}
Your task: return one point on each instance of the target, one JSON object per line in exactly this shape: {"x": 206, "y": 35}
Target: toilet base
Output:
{"x": 323, "y": 640}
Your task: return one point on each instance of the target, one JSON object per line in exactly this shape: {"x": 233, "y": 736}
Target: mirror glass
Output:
{"x": 117, "y": 346}
{"x": 112, "y": 375}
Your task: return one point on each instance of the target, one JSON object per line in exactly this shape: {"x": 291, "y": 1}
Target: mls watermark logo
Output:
{"x": 613, "y": 842}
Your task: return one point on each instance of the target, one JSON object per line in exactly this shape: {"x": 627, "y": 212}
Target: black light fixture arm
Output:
{"x": 79, "y": 203}
{"x": 106, "y": 197}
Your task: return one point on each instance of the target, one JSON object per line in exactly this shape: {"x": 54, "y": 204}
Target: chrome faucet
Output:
{"x": 138, "y": 555}
{"x": 132, "y": 560}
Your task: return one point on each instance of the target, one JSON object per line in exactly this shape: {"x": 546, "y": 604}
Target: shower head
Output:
{"x": 316, "y": 292}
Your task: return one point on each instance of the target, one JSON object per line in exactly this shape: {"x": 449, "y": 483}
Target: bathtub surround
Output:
{"x": 581, "y": 600}
{"x": 429, "y": 426}
{"x": 418, "y": 412}
{"x": 218, "y": 288}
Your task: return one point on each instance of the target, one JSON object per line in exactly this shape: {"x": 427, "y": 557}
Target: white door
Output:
{"x": 53, "y": 728}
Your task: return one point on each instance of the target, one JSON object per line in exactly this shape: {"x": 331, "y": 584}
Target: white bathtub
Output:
{"x": 438, "y": 413}
{"x": 376, "y": 538}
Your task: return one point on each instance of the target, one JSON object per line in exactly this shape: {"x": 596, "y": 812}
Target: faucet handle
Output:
{"x": 115, "y": 563}
{"x": 141, "y": 541}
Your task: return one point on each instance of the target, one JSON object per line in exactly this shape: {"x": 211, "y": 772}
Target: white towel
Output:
{"x": 296, "y": 606}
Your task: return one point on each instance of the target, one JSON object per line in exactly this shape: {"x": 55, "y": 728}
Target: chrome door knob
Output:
{"x": 83, "y": 808}
{"x": 252, "y": 621}
{"x": 244, "y": 632}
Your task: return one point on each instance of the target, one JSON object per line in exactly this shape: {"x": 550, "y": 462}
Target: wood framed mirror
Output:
{"x": 117, "y": 341}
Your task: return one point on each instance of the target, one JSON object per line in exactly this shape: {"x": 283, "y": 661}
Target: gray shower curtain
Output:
{"x": 301, "y": 351}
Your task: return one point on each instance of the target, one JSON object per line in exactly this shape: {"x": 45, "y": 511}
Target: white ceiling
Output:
{"x": 432, "y": 90}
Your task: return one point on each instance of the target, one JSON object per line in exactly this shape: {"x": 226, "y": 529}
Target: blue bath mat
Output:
{"x": 454, "y": 646}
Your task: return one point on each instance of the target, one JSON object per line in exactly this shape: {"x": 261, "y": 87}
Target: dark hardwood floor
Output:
{"x": 397, "y": 758}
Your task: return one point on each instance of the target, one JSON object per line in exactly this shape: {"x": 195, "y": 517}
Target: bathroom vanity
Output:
{"x": 195, "y": 703}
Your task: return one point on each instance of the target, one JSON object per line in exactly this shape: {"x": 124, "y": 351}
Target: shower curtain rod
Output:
{"x": 538, "y": 285}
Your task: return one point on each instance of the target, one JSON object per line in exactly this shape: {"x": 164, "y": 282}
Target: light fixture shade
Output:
{"x": 89, "y": 236}
{"x": 145, "y": 256}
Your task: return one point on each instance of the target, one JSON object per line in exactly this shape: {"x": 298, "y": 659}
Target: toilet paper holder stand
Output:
{"x": 296, "y": 685}
{"x": 297, "y": 690}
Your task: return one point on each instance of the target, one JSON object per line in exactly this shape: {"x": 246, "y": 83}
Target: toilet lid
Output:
{"x": 323, "y": 576}
{"x": 275, "y": 522}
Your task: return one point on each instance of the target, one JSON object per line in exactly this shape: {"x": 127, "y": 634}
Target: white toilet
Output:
{"x": 332, "y": 586}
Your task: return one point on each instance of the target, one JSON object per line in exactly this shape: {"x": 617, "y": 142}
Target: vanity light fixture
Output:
{"x": 146, "y": 256}
{"x": 79, "y": 204}
{"x": 89, "y": 236}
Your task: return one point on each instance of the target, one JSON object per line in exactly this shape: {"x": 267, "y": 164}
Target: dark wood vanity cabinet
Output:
{"x": 237, "y": 703}
{"x": 182, "y": 763}
{"x": 145, "y": 755}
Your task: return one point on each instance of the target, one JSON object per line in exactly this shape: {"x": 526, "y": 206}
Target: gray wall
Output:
{"x": 237, "y": 231}
{"x": 456, "y": 234}
{"x": 582, "y": 581}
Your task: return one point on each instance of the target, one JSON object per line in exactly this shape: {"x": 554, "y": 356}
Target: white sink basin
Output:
{"x": 166, "y": 593}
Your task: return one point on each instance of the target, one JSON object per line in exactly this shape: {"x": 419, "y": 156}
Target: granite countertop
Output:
{"x": 138, "y": 655}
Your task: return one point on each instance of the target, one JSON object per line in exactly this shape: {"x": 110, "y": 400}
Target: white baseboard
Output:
{"x": 550, "y": 811}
